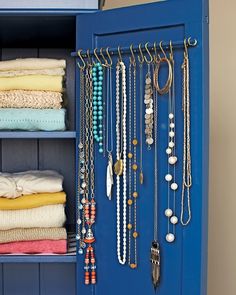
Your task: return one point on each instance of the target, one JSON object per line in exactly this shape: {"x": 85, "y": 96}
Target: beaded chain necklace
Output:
{"x": 133, "y": 194}
{"x": 120, "y": 165}
{"x": 97, "y": 72}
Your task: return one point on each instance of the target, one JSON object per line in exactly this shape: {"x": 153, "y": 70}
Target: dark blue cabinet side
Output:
{"x": 184, "y": 263}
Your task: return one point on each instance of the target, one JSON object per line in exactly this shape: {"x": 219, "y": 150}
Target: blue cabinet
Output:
{"x": 56, "y": 33}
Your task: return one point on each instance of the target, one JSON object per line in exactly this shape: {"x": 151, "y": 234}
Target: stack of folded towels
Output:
{"x": 32, "y": 213}
{"x": 31, "y": 94}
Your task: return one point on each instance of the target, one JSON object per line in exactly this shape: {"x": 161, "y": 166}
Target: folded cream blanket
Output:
{"x": 32, "y": 201}
{"x": 30, "y": 99}
{"x": 32, "y": 234}
{"x": 46, "y": 216}
{"x": 32, "y": 64}
{"x": 50, "y": 72}
{"x": 33, "y": 82}
{"x": 13, "y": 185}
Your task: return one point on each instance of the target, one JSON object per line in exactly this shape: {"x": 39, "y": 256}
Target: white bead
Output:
{"x": 174, "y": 186}
{"x": 168, "y": 212}
{"x": 170, "y": 238}
{"x": 172, "y": 125}
{"x": 171, "y": 134}
{"x": 174, "y": 219}
{"x": 168, "y": 177}
{"x": 171, "y": 116}
{"x": 172, "y": 160}
{"x": 83, "y": 185}
{"x": 171, "y": 144}
{"x": 168, "y": 151}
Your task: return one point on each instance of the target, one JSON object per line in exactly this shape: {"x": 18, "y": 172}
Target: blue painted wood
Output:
{"x": 1, "y": 279}
{"x": 183, "y": 262}
{"x": 37, "y": 134}
{"x": 57, "y": 279}
{"x": 21, "y": 279}
{"x": 37, "y": 259}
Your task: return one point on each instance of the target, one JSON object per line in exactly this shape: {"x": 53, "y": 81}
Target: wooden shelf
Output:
{"x": 37, "y": 134}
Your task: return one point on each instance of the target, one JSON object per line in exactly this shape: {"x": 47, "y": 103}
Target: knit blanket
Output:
{"x": 32, "y": 234}
{"x": 13, "y": 185}
{"x": 50, "y": 72}
{"x": 30, "y": 99}
{"x": 33, "y": 82}
{"x": 34, "y": 247}
{"x": 32, "y": 119}
{"x": 32, "y": 201}
{"x": 45, "y": 216}
{"x": 32, "y": 64}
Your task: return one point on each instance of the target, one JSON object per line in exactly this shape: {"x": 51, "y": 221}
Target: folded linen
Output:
{"x": 32, "y": 64}
{"x": 32, "y": 119}
{"x": 32, "y": 201}
{"x": 33, "y": 82}
{"x": 45, "y": 216}
{"x": 30, "y": 99}
{"x": 13, "y": 185}
{"x": 33, "y": 247}
{"x": 32, "y": 234}
{"x": 50, "y": 72}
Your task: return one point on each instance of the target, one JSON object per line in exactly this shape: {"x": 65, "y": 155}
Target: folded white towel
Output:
{"x": 45, "y": 216}
{"x": 13, "y": 185}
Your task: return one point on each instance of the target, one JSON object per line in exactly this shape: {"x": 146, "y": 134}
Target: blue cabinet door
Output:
{"x": 184, "y": 262}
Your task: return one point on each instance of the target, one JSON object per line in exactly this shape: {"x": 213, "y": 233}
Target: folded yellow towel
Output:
{"x": 34, "y": 82}
{"x": 50, "y": 72}
{"x": 32, "y": 64}
{"x": 32, "y": 201}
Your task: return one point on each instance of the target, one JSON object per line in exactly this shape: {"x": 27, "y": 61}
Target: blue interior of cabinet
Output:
{"x": 52, "y": 37}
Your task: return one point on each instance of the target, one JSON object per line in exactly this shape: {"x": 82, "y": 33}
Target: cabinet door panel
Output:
{"x": 183, "y": 269}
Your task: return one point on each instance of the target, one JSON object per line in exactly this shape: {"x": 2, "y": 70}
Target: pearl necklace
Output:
{"x": 120, "y": 166}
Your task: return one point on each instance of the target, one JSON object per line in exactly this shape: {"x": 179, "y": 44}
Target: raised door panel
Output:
{"x": 183, "y": 269}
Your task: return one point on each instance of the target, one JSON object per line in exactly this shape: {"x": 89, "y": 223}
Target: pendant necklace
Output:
{"x": 155, "y": 257}
{"x": 187, "y": 174}
{"x": 89, "y": 203}
{"x": 120, "y": 165}
{"x": 132, "y": 155}
{"x": 109, "y": 137}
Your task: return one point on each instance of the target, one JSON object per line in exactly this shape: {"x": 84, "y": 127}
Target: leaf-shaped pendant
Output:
{"x": 155, "y": 264}
{"x": 110, "y": 180}
{"x": 141, "y": 177}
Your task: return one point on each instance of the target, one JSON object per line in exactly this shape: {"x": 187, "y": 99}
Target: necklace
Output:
{"x": 81, "y": 165}
{"x": 141, "y": 176}
{"x": 148, "y": 101}
{"x": 97, "y": 73}
{"x": 132, "y": 167}
{"x": 109, "y": 146}
{"x": 120, "y": 166}
{"x": 155, "y": 258}
{"x": 187, "y": 177}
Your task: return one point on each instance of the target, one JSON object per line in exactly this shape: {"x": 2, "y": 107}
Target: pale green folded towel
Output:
{"x": 32, "y": 119}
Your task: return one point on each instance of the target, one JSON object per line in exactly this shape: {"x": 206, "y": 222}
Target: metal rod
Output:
{"x": 166, "y": 45}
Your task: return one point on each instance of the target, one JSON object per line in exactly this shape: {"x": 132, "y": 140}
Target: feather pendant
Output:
{"x": 110, "y": 180}
{"x": 155, "y": 264}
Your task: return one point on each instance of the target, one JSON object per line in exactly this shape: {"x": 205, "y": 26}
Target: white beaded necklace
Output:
{"x": 120, "y": 166}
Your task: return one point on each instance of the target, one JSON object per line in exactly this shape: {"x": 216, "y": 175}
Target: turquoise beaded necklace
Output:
{"x": 98, "y": 105}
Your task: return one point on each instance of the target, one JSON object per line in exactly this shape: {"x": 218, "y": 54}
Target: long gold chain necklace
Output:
{"x": 187, "y": 174}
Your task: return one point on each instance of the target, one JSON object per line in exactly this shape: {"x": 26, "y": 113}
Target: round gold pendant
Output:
{"x": 118, "y": 167}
